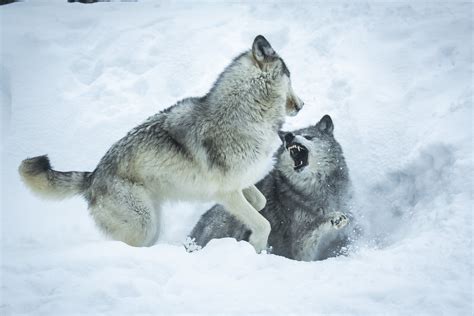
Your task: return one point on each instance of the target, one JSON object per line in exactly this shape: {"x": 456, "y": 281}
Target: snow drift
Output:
{"x": 396, "y": 78}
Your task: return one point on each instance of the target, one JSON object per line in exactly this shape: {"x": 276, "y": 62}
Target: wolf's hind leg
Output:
{"x": 236, "y": 204}
{"x": 126, "y": 213}
{"x": 255, "y": 197}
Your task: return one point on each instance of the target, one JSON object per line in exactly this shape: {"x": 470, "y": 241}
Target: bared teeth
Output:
{"x": 294, "y": 146}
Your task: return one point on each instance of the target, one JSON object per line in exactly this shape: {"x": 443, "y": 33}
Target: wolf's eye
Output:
{"x": 308, "y": 137}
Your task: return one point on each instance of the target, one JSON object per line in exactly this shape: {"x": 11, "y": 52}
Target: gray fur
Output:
{"x": 210, "y": 148}
{"x": 43, "y": 180}
{"x": 305, "y": 208}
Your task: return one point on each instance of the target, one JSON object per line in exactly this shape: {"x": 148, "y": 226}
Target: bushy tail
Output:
{"x": 43, "y": 180}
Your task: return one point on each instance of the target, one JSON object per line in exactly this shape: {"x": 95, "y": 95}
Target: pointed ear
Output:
{"x": 262, "y": 50}
{"x": 325, "y": 124}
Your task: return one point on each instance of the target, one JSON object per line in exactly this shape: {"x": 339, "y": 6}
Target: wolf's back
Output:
{"x": 39, "y": 176}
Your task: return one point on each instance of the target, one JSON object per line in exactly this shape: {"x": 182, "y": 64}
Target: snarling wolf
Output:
{"x": 307, "y": 199}
{"x": 210, "y": 148}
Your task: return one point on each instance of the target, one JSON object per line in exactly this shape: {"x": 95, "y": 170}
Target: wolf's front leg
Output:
{"x": 255, "y": 197}
{"x": 337, "y": 220}
{"x": 307, "y": 247}
{"x": 332, "y": 221}
{"x": 236, "y": 204}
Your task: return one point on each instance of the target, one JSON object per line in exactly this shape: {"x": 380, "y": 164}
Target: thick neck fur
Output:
{"x": 308, "y": 190}
{"x": 235, "y": 125}
{"x": 245, "y": 92}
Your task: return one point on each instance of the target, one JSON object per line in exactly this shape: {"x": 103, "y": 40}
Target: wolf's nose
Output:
{"x": 289, "y": 137}
{"x": 300, "y": 105}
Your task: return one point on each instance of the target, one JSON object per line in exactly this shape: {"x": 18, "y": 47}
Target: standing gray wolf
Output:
{"x": 211, "y": 148}
{"x": 306, "y": 193}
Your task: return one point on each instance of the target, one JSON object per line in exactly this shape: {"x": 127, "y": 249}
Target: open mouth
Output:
{"x": 299, "y": 154}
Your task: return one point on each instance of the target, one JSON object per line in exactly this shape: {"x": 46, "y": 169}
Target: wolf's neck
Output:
{"x": 311, "y": 189}
{"x": 279, "y": 188}
{"x": 248, "y": 99}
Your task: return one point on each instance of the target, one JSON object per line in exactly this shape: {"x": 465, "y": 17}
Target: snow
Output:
{"x": 396, "y": 77}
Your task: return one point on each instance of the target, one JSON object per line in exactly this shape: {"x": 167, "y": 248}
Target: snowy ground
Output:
{"x": 395, "y": 77}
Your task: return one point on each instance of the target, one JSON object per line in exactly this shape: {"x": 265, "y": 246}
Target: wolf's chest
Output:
{"x": 253, "y": 168}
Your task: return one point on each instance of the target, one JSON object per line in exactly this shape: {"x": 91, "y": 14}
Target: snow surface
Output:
{"x": 396, "y": 77}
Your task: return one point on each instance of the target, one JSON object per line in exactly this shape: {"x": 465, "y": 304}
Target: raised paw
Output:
{"x": 339, "y": 220}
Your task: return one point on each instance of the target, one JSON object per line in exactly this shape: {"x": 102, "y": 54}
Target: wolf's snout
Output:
{"x": 289, "y": 138}
{"x": 294, "y": 105}
{"x": 298, "y": 152}
{"x": 298, "y": 103}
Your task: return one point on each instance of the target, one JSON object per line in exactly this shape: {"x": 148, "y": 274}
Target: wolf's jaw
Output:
{"x": 299, "y": 167}
{"x": 299, "y": 154}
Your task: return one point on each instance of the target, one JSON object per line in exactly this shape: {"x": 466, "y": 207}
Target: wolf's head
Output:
{"x": 311, "y": 154}
{"x": 268, "y": 61}
{"x": 259, "y": 78}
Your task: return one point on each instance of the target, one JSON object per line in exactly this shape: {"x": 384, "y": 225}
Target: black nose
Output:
{"x": 299, "y": 106}
{"x": 289, "y": 137}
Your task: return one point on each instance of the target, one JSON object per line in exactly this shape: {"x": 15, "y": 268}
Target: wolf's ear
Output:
{"x": 325, "y": 124}
{"x": 262, "y": 50}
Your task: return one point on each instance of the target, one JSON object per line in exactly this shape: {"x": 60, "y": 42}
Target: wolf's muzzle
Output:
{"x": 298, "y": 152}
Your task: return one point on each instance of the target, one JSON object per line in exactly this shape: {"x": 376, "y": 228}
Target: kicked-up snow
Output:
{"x": 396, "y": 77}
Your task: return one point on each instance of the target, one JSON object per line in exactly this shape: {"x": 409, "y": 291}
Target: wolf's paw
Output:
{"x": 190, "y": 245}
{"x": 267, "y": 251}
{"x": 338, "y": 220}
